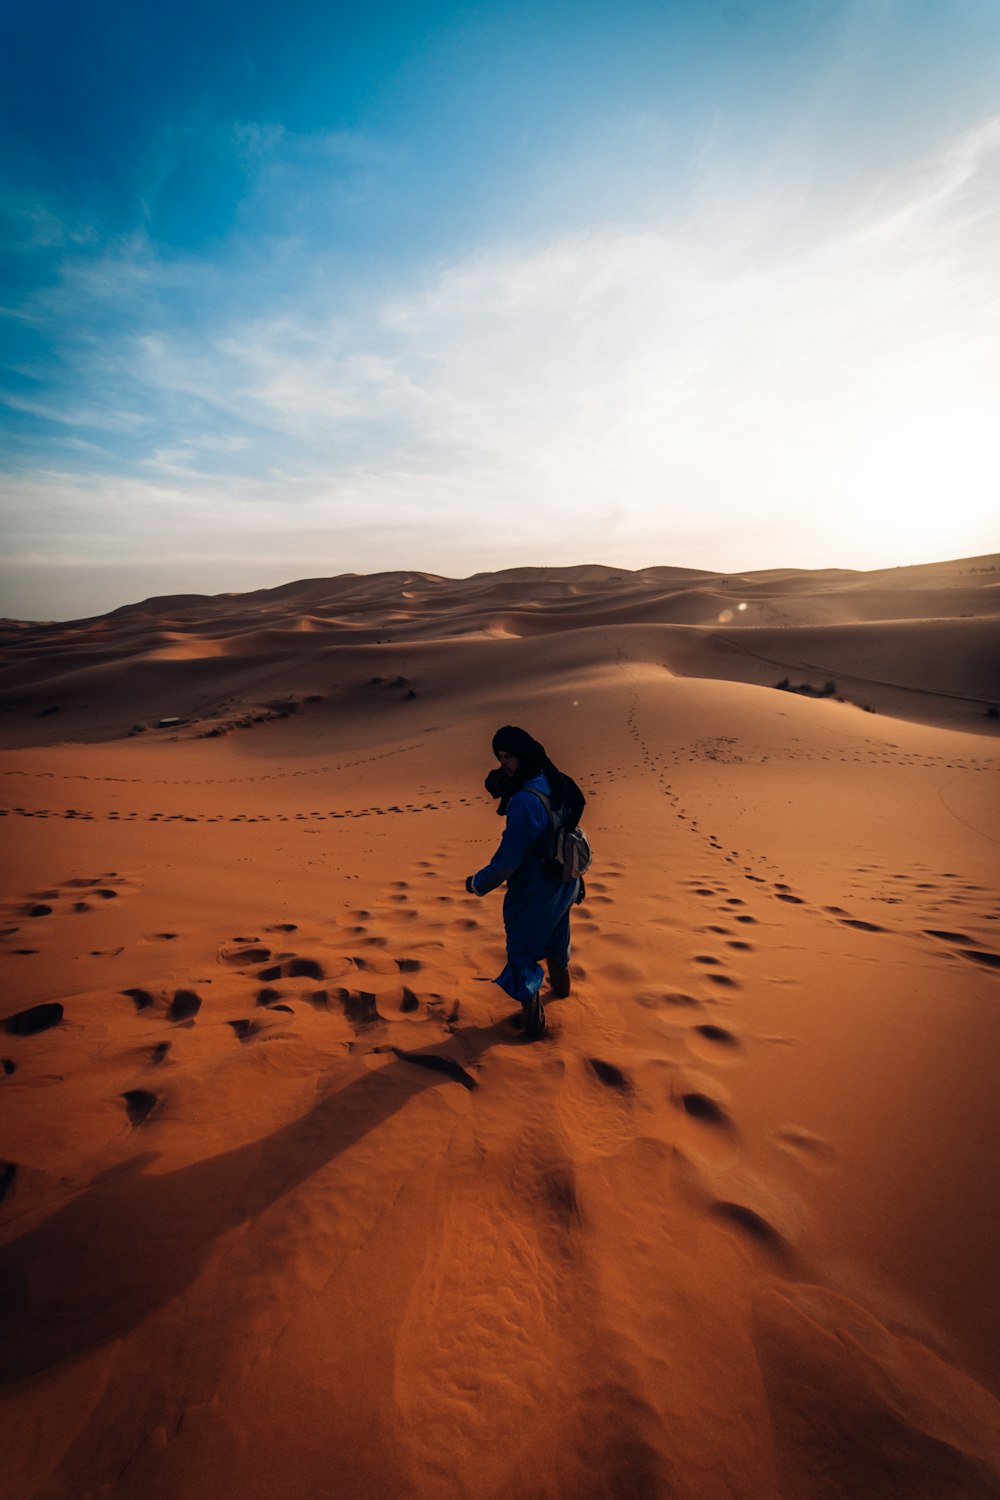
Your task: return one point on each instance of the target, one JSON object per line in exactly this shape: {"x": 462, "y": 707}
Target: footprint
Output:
{"x": 240, "y": 956}
{"x": 183, "y": 1006}
{"x": 244, "y": 1028}
{"x": 655, "y": 999}
{"x": 717, "y": 1034}
{"x": 142, "y": 999}
{"x": 35, "y": 1019}
{"x": 977, "y": 956}
{"x": 627, "y": 974}
{"x": 611, "y": 1076}
{"x": 803, "y": 1144}
{"x": 296, "y": 968}
{"x": 138, "y": 1104}
{"x": 861, "y": 926}
{"x": 702, "y": 1107}
{"x": 304, "y": 968}
{"x": 753, "y": 1225}
{"x": 360, "y": 1007}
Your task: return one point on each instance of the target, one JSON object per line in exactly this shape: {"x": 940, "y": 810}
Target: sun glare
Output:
{"x": 927, "y": 479}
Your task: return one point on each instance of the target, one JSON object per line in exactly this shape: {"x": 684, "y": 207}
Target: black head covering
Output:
{"x": 530, "y": 754}
{"x": 532, "y": 758}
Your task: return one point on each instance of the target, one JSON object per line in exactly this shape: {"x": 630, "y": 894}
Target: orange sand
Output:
{"x": 729, "y": 1230}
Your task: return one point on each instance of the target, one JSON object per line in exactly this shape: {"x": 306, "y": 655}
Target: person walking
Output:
{"x": 537, "y": 902}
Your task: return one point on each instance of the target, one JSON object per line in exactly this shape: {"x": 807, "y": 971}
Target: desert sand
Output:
{"x": 291, "y": 1209}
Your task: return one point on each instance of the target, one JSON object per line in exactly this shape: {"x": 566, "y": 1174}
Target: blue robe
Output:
{"x": 536, "y": 904}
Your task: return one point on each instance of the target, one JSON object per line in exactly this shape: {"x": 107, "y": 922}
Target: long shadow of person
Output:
{"x": 133, "y": 1240}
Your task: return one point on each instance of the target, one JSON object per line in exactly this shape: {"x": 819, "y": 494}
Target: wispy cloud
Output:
{"x": 62, "y": 414}
{"x": 728, "y": 387}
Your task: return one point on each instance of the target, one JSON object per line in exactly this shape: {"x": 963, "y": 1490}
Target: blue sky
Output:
{"x": 305, "y": 289}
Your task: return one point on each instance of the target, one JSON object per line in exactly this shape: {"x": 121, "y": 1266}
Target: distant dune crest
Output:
{"x": 920, "y": 642}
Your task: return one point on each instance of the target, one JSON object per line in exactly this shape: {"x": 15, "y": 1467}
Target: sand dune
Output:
{"x": 919, "y": 643}
{"x": 288, "y": 1207}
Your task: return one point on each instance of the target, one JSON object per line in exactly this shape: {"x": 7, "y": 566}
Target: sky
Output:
{"x": 312, "y": 288}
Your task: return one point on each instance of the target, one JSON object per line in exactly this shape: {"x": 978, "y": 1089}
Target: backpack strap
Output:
{"x": 558, "y": 820}
{"x": 544, "y": 800}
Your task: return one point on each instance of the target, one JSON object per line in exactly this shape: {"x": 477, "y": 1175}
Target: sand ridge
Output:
{"x": 919, "y": 643}
{"x": 288, "y": 1205}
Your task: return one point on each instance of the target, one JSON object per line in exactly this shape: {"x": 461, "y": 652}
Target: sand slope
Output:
{"x": 920, "y": 643}
{"x": 290, "y": 1209}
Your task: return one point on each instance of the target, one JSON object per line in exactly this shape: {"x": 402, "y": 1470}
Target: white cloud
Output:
{"x": 96, "y": 418}
{"x": 654, "y": 373}
{"x": 742, "y": 388}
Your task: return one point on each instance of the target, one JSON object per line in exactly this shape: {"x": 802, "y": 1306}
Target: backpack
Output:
{"x": 567, "y": 850}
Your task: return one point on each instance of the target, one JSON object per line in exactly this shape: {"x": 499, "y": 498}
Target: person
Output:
{"x": 537, "y": 902}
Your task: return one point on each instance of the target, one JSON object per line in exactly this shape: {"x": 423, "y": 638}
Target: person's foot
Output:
{"x": 558, "y": 979}
{"x": 533, "y": 1022}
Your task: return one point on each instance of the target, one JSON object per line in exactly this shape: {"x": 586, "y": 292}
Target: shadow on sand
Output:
{"x": 132, "y": 1241}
